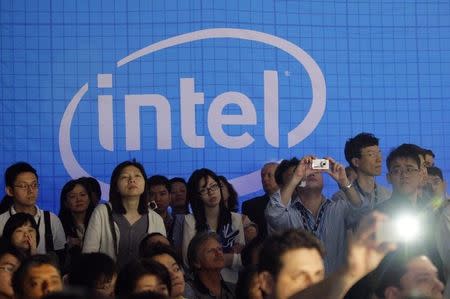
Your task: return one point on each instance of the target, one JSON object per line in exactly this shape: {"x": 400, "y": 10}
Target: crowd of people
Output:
{"x": 169, "y": 238}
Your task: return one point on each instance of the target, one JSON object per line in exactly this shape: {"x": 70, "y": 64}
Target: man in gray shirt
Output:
{"x": 364, "y": 156}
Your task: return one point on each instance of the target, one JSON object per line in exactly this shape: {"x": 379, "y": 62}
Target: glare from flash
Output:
{"x": 407, "y": 228}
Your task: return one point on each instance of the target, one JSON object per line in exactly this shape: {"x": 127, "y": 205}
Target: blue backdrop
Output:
{"x": 227, "y": 85}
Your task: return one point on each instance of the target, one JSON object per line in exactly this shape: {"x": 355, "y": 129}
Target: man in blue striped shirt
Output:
{"x": 300, "y": 204}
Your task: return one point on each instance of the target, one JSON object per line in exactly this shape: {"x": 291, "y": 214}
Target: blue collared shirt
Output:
{"x": 338, "y": 217}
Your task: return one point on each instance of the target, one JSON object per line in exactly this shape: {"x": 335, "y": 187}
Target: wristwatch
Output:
{"x": 345, "y": 188}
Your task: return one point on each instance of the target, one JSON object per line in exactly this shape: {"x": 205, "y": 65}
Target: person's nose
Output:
{"x": 45, "y": 287}
{"x": 219, "y": 251}
{"x": 439, "y": 285}
{"x": 308, "y": 281}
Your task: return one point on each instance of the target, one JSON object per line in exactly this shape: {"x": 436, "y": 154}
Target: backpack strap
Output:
{"x": 113, "y": 229}
{"x": 49, "y": 247}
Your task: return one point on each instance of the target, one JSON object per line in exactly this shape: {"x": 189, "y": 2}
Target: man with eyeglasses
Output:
{"x": 22, "y": 185}
{"x": 406, "y": 177}
{"x": 10, "y": 259}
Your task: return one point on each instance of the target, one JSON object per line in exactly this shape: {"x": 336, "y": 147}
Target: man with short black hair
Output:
{"x": 10, "y": 259}
{"x": 363, "y": 154}
{"x": 405, "y": 176}
{"x": 291, "y": 263}
{"x": 300, "y": 204}
{"x": 436, "y": 186}
{"x": 429, "y": 157}
{"x": 159, "y": 187}
{"x": 254, "y": 208}
{"x": 21, "y": 181}
{"x": 36, "y": 277}
{"x": 160, "y": 197}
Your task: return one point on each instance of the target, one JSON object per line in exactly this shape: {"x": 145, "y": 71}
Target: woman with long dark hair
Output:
{"x": 230, "y": 197}
{"x": 117, "y": 227}
{"x": 209, "y": 213}
{"x": 76, "y": 207}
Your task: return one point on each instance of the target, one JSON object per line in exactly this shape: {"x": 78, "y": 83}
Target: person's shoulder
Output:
{"x": 3, "y": 218}
{"x": 384, "y": 192}
{"x": 189, "y": 218}
{"x": 236, "y": 216}
{"x": 53, "y": 217}
{"x": 101, "y": 210}
{"x": 338, "y": 195}
{"x": 446, "y": 207}
{"x": 390, "y": 206}
{"x": 4, "y": 215}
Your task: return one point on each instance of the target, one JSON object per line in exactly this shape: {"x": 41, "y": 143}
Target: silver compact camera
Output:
{"x": 320, "y": 164}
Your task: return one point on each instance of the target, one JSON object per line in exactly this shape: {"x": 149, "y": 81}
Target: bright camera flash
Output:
{"x": 407, "y": 228}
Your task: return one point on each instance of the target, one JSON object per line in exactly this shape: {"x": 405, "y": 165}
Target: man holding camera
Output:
{"x": 300, "y": 204}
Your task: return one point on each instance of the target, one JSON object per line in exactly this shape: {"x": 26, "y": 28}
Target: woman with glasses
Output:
{"x": 118, "y": 227}
{"x": 209, "y": 213}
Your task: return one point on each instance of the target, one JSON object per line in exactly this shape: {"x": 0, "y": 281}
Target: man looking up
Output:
{"x": 406, "y": 274}
{"x": 22, "y": 186}
{"x": 300, "y": 204}
{"x": 254, "y": 208}
{"x": 364, "y": 156}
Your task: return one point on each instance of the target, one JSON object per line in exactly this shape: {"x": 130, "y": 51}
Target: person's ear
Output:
{"x": 388, "y": 177}
{"x": 267, "y": 282}
{"x": 9, "y": 191}
{"x": 391, "y": 293}
{"x": 355, "y": 161}
{"x": 196, "y": 265}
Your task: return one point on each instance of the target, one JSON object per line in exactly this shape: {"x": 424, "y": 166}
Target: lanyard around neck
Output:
{"x": 304, "y": 214}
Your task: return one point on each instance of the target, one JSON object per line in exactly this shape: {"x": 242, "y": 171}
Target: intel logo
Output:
{"x": 191, "y": 99}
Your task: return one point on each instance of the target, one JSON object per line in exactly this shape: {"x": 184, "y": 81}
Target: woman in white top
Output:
{"x": 117, "y": 228}
{"x": 209, "y": 213}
